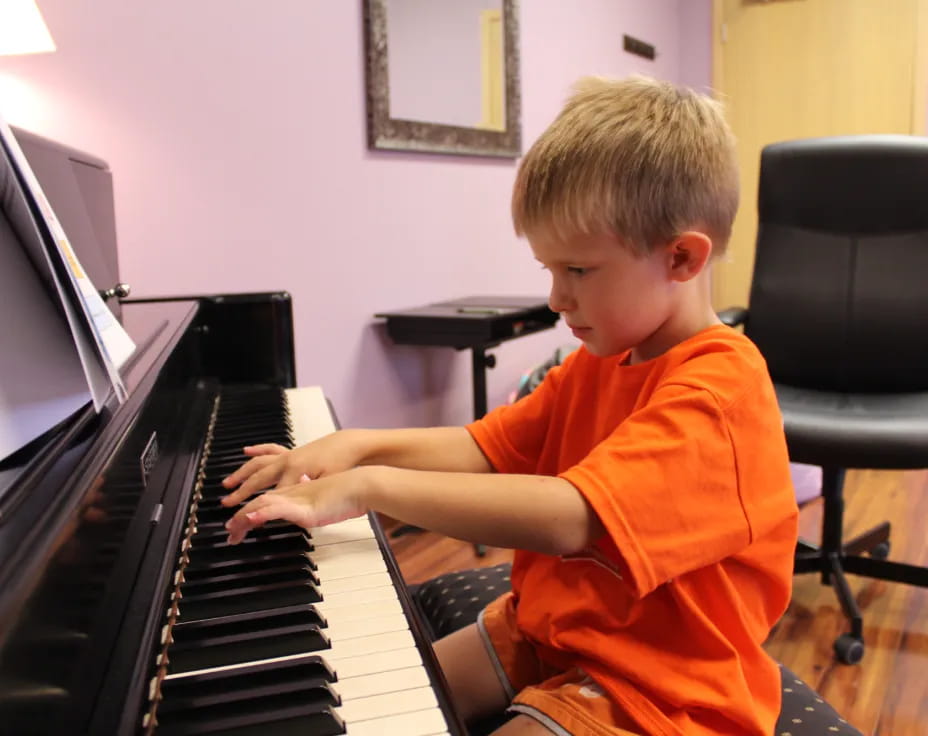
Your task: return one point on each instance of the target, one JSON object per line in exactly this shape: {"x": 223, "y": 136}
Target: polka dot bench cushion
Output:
{"x": 451, "y": 601}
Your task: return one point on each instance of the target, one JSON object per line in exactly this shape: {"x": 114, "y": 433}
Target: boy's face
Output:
{"x": 611, "y": 298}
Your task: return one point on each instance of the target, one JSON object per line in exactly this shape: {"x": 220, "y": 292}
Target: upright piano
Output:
{"x": 122, "y": 608}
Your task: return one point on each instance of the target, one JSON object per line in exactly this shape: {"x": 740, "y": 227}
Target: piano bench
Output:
{"x": 453, "y": 600}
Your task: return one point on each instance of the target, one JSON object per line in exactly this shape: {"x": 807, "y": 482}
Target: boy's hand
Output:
{"x": 309, "y": 503}
{"x": 273, "y": 465}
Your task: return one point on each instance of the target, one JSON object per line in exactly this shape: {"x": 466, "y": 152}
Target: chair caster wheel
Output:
{"x": 881, "y": 551}
{"x": 848, "y": 649}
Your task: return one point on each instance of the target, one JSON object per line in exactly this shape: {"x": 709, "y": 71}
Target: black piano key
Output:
{"x": 250, "y": 547}
{"x": 232, "y": 438}
{"x": 245, "y": 638}
{"x": 195, "y": 565}
{"x": 296, "y": 571}
{"x": 247, "y": 598}
{"x": 307, "y": 714}
{"x": 245, "y": 566}
{"x": 250, "y": 681}
{"x": 212, "y": 535}
{"x": 210, "y": 539}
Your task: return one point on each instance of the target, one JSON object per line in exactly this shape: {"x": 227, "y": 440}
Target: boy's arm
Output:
{"x": 450, "y": 449}
{"x": 538, "y": 513}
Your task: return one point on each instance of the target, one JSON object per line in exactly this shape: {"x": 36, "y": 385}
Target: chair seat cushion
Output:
{"x": 855, "y": 430}
{"x": 453, "y": 600}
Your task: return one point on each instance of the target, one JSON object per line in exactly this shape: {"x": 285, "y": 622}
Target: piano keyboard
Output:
{"x": 287, "y": 632}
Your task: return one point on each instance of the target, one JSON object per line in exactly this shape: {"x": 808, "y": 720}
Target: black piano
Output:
{"x": 123, "y": 610}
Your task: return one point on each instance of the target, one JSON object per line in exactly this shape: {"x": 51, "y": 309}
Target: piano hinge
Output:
{"x": 156, "y": 514}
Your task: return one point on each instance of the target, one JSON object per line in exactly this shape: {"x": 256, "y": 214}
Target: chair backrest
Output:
{"x": 839, "y": 297}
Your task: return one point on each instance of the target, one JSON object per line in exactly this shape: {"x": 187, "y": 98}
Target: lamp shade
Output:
{"x": 22, "y": 29}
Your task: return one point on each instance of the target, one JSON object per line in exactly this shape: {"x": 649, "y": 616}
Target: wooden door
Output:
{"x": 799, "y": 68}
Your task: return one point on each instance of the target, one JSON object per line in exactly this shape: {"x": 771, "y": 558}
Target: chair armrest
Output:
{"x": 733, "y": 316}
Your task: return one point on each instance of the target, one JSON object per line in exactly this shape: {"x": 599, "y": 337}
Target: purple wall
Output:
{"x": 236, "y": 135}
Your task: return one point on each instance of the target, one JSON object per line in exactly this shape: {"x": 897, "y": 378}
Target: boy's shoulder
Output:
{"x": 718, "y": 359}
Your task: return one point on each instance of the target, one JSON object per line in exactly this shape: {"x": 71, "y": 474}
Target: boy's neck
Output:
{"x": 692, "y": 314}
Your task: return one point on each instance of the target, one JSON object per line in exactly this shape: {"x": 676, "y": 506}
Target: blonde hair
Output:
{"x": 641, "y": 158}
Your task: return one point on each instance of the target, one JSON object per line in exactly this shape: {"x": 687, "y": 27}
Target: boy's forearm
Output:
{"x": 450, "y": 449}
{"x": 532, "y": 512}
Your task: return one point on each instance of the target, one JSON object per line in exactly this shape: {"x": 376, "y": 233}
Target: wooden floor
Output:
{"x": 887, "y": 693}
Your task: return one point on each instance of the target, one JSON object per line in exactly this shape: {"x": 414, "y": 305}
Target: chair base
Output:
{"x": 835, "y": 558}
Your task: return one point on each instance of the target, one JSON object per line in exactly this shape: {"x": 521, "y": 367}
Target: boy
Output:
{"x": 644, "y": 484}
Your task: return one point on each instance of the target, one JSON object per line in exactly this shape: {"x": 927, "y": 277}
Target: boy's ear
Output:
{"x": 689, "y": 254}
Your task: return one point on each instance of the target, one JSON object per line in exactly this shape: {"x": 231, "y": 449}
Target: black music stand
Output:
{"x": 479, "y": 323}
{"x": 475, "y": 322}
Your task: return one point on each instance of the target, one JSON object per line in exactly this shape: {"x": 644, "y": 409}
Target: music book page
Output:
{"x": 100, "y": 339}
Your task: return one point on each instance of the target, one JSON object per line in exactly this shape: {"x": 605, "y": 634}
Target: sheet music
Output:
{"x": 42, "y": 381}
{"x": 100, "y": 339}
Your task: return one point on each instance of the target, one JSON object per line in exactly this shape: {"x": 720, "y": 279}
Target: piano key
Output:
{"x": 430, "y": 722}
{"x": 370, "y": 580}
{"x": 349, "y": 649}
{"x": 382, "y": 682}
{"x": 311, "y": 713}
{"x": 245, "y": 637}
{"x": 344, "y": 531}
{"x": 386, "y": 704}
{"x": 242, "y": 599}
{"x": 383, "y": 600}
{"x": 242, "y": 685}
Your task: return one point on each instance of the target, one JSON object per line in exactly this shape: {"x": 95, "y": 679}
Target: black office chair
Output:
{"x": 839, "y": 309}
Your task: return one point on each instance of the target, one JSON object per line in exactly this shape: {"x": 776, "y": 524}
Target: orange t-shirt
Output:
{"x": 683, "y": 458}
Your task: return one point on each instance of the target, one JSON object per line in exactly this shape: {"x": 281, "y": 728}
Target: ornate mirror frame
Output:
{"x": 384, "y": 132}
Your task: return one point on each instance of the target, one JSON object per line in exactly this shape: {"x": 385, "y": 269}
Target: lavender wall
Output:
{"x": 236, "y": 135}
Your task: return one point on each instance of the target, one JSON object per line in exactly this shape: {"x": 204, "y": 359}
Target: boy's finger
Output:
{"x": 268, "y": 448}
{"x": 258, "y": 481}
{"x": 244, "y": 471}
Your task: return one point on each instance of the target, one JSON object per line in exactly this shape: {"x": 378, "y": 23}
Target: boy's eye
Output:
{"x": 576, "y": 270}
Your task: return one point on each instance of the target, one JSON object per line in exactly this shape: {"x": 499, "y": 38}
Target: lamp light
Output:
{"x": 22, "y": 29}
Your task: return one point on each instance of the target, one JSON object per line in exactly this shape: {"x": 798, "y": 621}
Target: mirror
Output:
{"x": 443, "y": 76}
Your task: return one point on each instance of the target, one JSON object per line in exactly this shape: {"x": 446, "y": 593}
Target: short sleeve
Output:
{"x": 664, "y": 484}
{"x": 512, "y": 436}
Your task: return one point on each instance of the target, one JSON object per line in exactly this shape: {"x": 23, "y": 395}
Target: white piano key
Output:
{"x": 430, "y": 722}
{"x": 367, "y": 645}
{"x": 387, "y": 704}
{"x": 379, "y": 683}
{"x": 350, "y": 566}
{"x": 355, "y": 547}
{"x": 348, "y": 599}
{"x": 366, "y": 609}
{"x": 343, "y": 531}
{"x": 339, "y": 630}
{"x": 361, "y": 582}
{"x": 369, "y": 664}
{"x": 310, "y": 417}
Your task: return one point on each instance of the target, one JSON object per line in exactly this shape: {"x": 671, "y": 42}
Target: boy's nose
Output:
{"x": 558, "y": 299}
